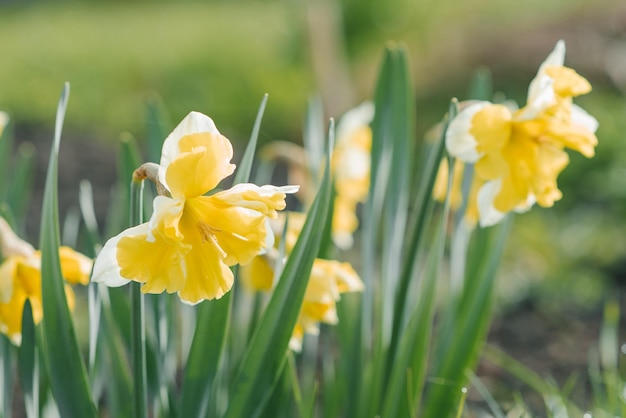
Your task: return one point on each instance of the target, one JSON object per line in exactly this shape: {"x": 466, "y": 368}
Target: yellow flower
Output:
{"x": 191, "y": 239}
{"x": 456, "y": 194}
{"x": 351, "y": 161}
{"x": 20, "y": 279}
{"x": 328, "y": 280}
{"x": 518, "y": 155}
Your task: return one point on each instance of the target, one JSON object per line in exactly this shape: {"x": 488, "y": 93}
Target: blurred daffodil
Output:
{"x": 440, "y": 189}
{"x": 328, "y": 280}
{"x": 518, "y": 154}
{"x": 20, "y": 279}
{"x": 350, "y": 163}
{"x": 191, "y": 240}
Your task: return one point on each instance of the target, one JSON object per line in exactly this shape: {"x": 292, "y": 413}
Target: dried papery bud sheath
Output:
{"x": 150, "y": 171}
{"x": 11, "y": 244}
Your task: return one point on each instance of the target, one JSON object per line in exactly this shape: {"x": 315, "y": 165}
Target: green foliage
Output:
{"x": 66, "y": 367}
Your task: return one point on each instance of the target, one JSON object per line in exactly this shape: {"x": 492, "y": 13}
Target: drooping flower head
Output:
{"x": 328, "y": 280}
{"x": 518, "y": 154}
{"x": 191, "y": 239}
{"x": 20, "y": 279}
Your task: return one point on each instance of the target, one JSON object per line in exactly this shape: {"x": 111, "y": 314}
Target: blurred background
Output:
{"x": 220, "y": 57}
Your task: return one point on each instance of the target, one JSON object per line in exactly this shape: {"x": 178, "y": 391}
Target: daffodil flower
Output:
{"x": 518, "y": 154}
{"x": 20, "y": 279}
{"x": 351, "y": 161}
{"x": 191, "y": 239}
{"x": 328, "y": 280}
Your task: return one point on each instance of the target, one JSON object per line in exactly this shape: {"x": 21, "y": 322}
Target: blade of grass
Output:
{"x": 65, "y": 364}
{"x": 460, "y": 344}
{"x": 29, "y": 363}
{"x": 213, "y": 318}
{"x": 137, "y": 318}
{"x": 265, "y": 355}
{"x": 408, "y": 367}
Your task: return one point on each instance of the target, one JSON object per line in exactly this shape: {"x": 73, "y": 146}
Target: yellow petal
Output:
{"x": 258, "y": 275}
{"x": 491, "y": 127}
{"x": 8, "y": 273}
{"x": 567, "y": 82}
{"x": 206, "y": 274}
{"x": 264, "y": 199}
{"x": 157, "y": 264}
{"x": 344, "y": 222}
{"x": 75, "y": 266}
{"x": 239, "y": 232}
{"x": 204, "y": 161}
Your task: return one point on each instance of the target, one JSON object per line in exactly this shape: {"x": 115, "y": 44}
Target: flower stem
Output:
{"x": 138, "y": 342}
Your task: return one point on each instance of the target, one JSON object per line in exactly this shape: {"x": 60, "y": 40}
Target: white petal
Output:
{"x": 353, "y": 120}
{"x": 355, "y": 164}
{"x": 540, "y": 97}
{"x": 194, "y": 122}
{"x": 269, "y": 238}
{"x": 106, "y": 270}
{"x": 555, "y": 59}
{"x": 584, "y": 119}
{"x": 164, "y": 207}
{"x": 459, "y": 142}
{"x": 343, "y": 240}
{"x": 527, "y": 205}
{"x": 488, "y": 214}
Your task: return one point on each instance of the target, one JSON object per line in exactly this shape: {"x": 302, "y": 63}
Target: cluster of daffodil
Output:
{"x": 516, "y": 155}
{"x": 350, "y": 161}
{"x": 20, "y": 279}
{"x": 191, "y": 239}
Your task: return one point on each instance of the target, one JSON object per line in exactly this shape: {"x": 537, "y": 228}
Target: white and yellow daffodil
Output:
{"x": 191, "y": 240}
{"x": 20, "y": 279}
{"x": 328, "y": 280}
{"x": 351, "y": 162}
{"x": 518, "y": 154}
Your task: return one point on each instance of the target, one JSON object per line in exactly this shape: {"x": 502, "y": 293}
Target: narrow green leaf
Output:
{"x": 117, "y": 367}
{"x": 29, "y": 363}
{"x": 137, "y": 317}
{"x": 213, "y": 318}
{"x": 313, "y": 136}
{"x": 408, "y": 366}
{"x": 481, "y": 86}
{"x": 65, "y": 364}
{"x": 462, "y": 340}
{"x": 245, "y": 167}
{"x": 6, "y": 149}
{"x": 157, "y": 127}
{"x": 20, "y": 188}
{"x": 7, "y": 376}
{"x": 265, "y": 355}
{"x": 417, "y": 224}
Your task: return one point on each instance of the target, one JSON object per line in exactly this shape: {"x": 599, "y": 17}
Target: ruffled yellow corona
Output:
{"x": 191, "y": 239}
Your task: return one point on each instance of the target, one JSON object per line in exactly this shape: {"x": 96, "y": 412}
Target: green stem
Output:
{"x": 293, "y": 376}
{"x": 138, "y": 329}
